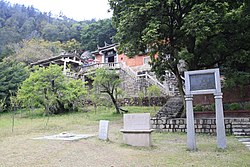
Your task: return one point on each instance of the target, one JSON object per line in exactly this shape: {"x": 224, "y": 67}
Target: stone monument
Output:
{"x": 204, "y": 82}
{"x": 137, "y": 129}
{"x": 103, "y": 129}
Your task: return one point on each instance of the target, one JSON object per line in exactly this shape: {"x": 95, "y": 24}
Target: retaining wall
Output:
{"x": 201, "y": 125}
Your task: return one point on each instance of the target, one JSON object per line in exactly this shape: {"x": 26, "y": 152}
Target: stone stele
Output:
{"x": 103, "y": 129}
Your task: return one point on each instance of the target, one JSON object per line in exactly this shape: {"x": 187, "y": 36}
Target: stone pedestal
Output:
{"x": 137, "y": 137}
{"x": 137, "y": 130}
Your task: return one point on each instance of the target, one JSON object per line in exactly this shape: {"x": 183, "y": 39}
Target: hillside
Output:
{"x": 18, "y": 23}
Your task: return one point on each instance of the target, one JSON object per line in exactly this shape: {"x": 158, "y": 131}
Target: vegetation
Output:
{"x": 18, "y": 23}
{"x": 30, "y": 51}
{"x": 153, "y": 91}
{"x": 169, "y": 149}
{"x": 11, "y": 76}
{"x": 107, "y": 81}
{"x": 48, "y": 87}
{"x": 206, "y": 34}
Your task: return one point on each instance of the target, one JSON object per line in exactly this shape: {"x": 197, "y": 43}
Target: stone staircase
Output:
{"x": 142, "y": 81}
{"x": 172, "y": 108}
{"x": 132, "y": 82}
{"x": 241, "y": 127}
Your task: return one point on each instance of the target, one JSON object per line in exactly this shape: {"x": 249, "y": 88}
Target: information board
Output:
{"x": 202, "y": 81}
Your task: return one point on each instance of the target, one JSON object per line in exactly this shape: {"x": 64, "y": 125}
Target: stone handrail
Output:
{"x": 154, "y": 81}
{"x": 129, "y": 70}
{"x": 101, "y": 65}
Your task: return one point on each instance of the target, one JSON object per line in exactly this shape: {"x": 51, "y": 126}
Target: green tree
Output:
{"x": 97, "y": 33}
{"x": 29, "y": 51}
{"x": 107, "y": 81}
{"x": 11, "y": 76}
{"x": 71, "y": 46}
{"x": 49, "y": 88}
{"x": 203, "y": 33}
{"x": 153, "y": 91}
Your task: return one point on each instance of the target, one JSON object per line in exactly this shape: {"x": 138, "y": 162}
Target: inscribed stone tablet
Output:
{"x": 202, "y": 81}
{"x": 137, "y": 121}
{"x": 103, "y": 129}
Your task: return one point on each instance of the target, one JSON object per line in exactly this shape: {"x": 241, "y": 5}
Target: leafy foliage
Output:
{"x": 206, "y": 34}
{"x": 107, "y": 81}
{"x": 48, "y": 87}
{"x": 11, "y": 76}
{"x": 153, "y": 91}
{"x": 97, "y": 33}
{"x": 18, "y": 23}
{"x": 29, "y": 51}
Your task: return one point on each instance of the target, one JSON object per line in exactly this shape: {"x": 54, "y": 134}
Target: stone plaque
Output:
{"x": 202, "y": 81}
{"x": 103, "y": 129}
{"x": 137, "y": 121}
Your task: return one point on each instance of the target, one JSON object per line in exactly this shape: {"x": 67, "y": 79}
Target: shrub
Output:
{"x": 235, "y": 106}
{"x": 247, "y": 106}
{"x": 226, "y": 106}
{"x": 198, "y": 108}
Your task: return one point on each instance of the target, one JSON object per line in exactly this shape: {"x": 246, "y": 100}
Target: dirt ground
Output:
{"x": 20, "y": 150}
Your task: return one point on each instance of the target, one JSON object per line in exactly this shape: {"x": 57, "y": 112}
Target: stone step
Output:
{"x": 241, "y": 126}
{"x": 241, "y": 123}
{"x": 241, "y": 134}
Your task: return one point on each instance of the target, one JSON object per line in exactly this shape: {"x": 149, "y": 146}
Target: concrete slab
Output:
{"x": 66, "y": 136}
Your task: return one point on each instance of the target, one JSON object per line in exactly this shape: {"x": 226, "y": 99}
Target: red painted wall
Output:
{"x": 132, "y": 62}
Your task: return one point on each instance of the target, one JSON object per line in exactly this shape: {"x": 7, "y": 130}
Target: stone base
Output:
{"x": 137, "y": 137}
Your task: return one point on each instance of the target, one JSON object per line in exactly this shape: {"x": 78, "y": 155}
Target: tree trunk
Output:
{"x": 114, "y": 102}
{"x": 181, "y": 89}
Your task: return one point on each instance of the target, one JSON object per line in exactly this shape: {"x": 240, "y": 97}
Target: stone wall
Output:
{"x": 201, "y": 125}
{"x": 145, "y": 101}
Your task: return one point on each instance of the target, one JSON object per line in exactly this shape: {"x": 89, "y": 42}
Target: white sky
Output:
{"x": 77, "y": 9}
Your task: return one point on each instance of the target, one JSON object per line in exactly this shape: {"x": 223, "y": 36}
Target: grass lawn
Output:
{"x": 18, "y": 149}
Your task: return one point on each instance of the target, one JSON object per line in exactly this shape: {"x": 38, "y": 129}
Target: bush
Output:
{"x": 247, "y": 106}
{"x": 235, "y": 106}
{"x": 226, "y": 106}
{"x": 198, "y": 108}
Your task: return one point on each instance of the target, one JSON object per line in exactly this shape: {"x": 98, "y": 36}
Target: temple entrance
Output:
{"x": 111, "y": 59}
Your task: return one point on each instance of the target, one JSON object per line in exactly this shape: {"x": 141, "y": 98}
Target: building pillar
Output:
{"x": 220, "y": 125}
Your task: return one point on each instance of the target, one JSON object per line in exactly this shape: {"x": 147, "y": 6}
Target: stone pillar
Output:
{"x": 191, "y": 141}
{"x": 220, "y": 125}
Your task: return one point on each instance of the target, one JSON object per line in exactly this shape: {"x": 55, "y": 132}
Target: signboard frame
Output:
{"x": 199, "y": 74}
{"x": 204, "y": 83}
